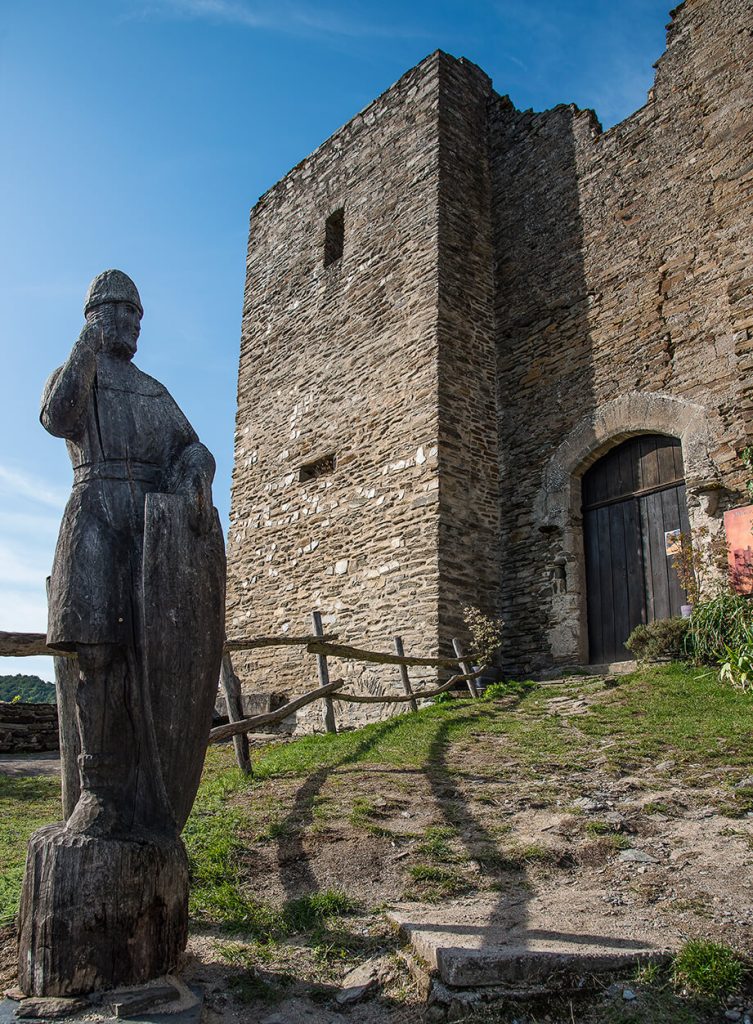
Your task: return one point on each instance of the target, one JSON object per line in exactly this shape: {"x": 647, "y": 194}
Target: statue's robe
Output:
{"x": 138, "y": 576}
{"x": 127, "y": 439}
{"x": 124, "y": 434}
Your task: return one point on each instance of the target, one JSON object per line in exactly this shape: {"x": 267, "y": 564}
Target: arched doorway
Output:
{"x": 633, "y": 509}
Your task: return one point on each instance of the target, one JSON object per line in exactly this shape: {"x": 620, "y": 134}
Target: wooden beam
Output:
{"x": 328, "y": 713}
{"x": 28, "y": 645}
{"x": 466, "y": 667}
{"x": 321, "y": 646}
{"x": 275, "y": 641}
{"x": 231, "y": 687}
{"x": 398, "y": 642}
{"x": 224, "y": 732}
{"x": 399, "y": 698}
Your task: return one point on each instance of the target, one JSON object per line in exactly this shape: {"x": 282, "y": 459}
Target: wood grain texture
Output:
{"x": 183, "y": 600}
{"x": 114, "y": 911}
{"x": 632, "y": 498}
{"x": 231, "y": 688}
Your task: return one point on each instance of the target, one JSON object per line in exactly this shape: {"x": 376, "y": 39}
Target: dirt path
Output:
{"x": 17, "y": 765}
{"x": 538, "y": 821}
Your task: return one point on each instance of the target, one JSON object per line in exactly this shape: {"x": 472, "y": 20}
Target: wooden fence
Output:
{"x": 319, "y": 644}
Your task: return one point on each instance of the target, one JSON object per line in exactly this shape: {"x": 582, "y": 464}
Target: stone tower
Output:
{"x": 453, "y": 310}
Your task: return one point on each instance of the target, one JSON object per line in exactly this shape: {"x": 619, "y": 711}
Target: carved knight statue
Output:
{"x": 136, "y": 601}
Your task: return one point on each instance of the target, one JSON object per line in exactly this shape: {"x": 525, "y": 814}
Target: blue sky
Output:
{"x": 138, "y": 133}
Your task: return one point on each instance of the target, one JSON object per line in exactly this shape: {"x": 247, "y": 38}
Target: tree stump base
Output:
{"x": 98, "y": 913}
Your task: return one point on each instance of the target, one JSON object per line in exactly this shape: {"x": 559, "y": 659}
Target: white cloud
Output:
{"x": 24, "y": 566}
{"x": 279, "y": 17}
{"x": 15, "y": 483}
{"x": 30, "y": 510}
{"x": 22, "y": 611}
{"x": 36, "y": 524}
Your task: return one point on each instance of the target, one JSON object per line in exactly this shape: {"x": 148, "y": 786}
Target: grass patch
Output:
{"x": 249, "y": 987}
{"x": 213, "y": 838}
{"x": 252, "y": 984}
{"x": 364, "y": 814}
{"x": 521, "y": 855}
{"x": 671, "y": 711}
{"x": 739, "y": 804}
{"x": 316, "y": 909}
{"x": 650, "y": 974}
{"x": 707, "y": 969}
{"x": 657, "y": 807}
{"x": 498, "y": 691}
{"x": 607, "y": 835}
{"x": 435, "y": 843}
{"x": 273, "y": 831}
{"x": 405, "y": 740}
{"x": 432, "y": 884}
{"x": 26, "y": 804}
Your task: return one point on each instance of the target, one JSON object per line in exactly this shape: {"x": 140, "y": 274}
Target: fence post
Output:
{"x": 231, "y": 687}
{"x": 398, "y": 642}
{"x": 465, "y": 666}
{"x": 321, "y": 664}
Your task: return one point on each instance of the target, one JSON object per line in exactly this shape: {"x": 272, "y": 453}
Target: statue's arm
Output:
{"x": 192, "y": 474}
{"x": 66, "y": 394}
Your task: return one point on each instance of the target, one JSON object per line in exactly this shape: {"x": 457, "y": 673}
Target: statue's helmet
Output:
{"x": 112, "y": 286}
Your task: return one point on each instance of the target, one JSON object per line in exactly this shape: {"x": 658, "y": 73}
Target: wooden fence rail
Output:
{"x": 231, "y": 688}
{"x": 224, "y": 732}
{"x": 29, "y": 645}
{"x": 404, "y": 677}
{"x": 323, "y": 646}
{"x": 323, "y": 670}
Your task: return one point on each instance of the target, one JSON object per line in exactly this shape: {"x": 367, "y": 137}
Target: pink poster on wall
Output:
{"x": 738, "y": 526}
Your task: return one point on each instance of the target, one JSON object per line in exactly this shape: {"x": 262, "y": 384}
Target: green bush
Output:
{"x": 707, "y": 969}
{"x": 30, "y": 689}
{"x": 661, "y": 640}
{"x": 717, "y": 626}
{"x": 736, "y": 666}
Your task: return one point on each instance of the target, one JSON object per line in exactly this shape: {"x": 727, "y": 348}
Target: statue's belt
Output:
{"x": 126, "y": 470}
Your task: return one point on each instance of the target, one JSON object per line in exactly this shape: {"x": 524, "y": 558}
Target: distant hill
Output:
{"x": 29, "y": 689}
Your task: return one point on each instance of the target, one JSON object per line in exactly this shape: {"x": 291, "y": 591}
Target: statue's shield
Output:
{"x": 183, "y": 621}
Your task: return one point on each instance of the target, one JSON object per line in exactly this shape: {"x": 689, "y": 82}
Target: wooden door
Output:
{"x": 633, "y": 506}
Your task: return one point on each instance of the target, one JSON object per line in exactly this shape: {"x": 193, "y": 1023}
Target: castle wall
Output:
{"x": 342, "y": 359}
{"x": 623, "y": 268}
{"x": 517, "y": 292}
{"x": 469, "y": 476}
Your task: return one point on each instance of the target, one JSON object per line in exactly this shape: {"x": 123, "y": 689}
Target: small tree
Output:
{"x": 486, "y": 634}
{"x": 701, "y": 564}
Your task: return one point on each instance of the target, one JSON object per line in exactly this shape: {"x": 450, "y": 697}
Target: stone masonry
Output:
{"x": 27, "y": 728}
{"x": 515, "y": 293}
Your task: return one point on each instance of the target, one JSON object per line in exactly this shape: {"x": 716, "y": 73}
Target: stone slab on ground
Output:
{"x": 180, "y": 1015}
{"x": 566, "y": 673}
{"x": 485, "y": 942}
{"x": 50, "y": 1007}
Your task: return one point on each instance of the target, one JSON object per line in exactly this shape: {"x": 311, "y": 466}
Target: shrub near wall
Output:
{"x": 662, "y": 640}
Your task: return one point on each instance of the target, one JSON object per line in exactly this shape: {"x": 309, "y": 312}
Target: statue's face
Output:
{"x": 121, "y": 326}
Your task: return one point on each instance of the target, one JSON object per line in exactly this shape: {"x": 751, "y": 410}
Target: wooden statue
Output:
{"x": 137, "y": 592}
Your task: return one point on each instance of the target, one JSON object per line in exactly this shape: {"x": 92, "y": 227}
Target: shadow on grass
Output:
{"x": 295, "y": 870}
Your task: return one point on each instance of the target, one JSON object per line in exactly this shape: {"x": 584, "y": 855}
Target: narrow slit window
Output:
{"x": 320, "y": 467}
{"x": 334, "y": 237}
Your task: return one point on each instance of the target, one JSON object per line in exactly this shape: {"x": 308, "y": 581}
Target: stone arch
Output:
{"x": 557, "y": 508}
